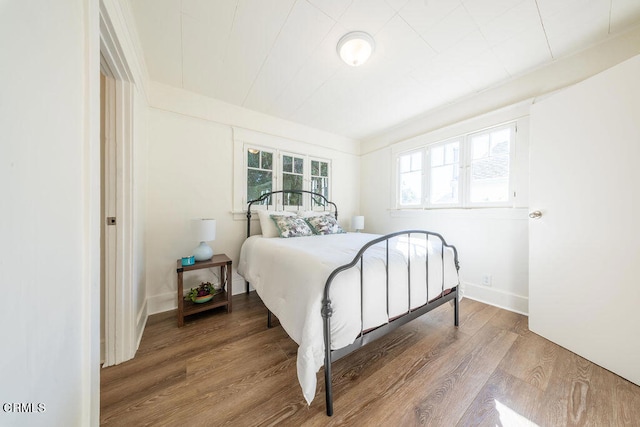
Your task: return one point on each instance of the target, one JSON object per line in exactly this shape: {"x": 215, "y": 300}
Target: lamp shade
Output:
{"x": 357, "y": 222}
{"x": 355, "y": 48}
{"x": 204, "y": 229}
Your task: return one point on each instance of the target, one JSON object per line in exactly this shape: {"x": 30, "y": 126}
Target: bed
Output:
{"x": 332, "y": 291}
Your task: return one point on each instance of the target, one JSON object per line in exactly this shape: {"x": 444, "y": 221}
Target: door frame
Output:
{"x": 120, "y": 327}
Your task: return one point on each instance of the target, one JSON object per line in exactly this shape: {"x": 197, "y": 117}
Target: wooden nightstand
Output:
{"x": 220, "y": 299}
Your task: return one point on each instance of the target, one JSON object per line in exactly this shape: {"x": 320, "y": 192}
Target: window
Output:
{"x": 490, "y": 165}
{"x": 444, "y": 172}
{"x": 259, "y": 173}
{"x": 320, "y": 177}
{"x": 473, "y": 170}
{"x": 410, "y": 178}
{"x": 292, "y": 178}
{"x": 270, "y": 170}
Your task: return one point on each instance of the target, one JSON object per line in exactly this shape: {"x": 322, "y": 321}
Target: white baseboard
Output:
{"x": 141, "y": 322}
{"x": 496, "y": 297}
{"x": 161, "y": 303}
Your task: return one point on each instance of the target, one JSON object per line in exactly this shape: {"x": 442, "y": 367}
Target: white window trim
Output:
{"x": 245, "y": 139}
{"x": 461, "y": 175}
{"x": 512, "y": 159}
{"x": 306, "y": 165}
{"x": 424, "y": 182}
{"x": 321, "y": 160}
{"x": 274, "y": 171}
{"x": 464, "y": 177}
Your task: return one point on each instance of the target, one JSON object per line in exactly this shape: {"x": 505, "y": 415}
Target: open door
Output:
{"x": 119, "y": 317}
{"x": 584, "y": 259}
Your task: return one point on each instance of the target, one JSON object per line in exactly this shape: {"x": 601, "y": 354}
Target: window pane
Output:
{"x": 287, "y": 163}
{"x": 258, "y": 183}
{"x": 324, "y": 169}
{"x": 489, "y": 180}
{"x": 444, "y": 174}
{"x": 292, "y": 182}
{"x": 500, "y": 141}
{"x": 479, "y": 147}
{"x": 410, "y": 188}
{"x": 451, "y": 153}
{"x": 320, "y": 185}
{"x": 267, "y": 160}
{"x": 416, "y": 161}
{"x": 298, "y": 165}
{"x": 253, "y": 158}
{"x": 445, "y": 154}
{"x": 319, "y": 180}
{"x": 405, "y": 163}
{"x": 437, "y": 155}
{"x": 444, "y": 184}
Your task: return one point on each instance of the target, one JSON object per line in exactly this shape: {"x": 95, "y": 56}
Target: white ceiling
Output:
{"x": 279, "y": 56}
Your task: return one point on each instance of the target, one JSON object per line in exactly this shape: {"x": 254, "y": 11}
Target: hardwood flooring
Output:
{"x": 229, "y": 369}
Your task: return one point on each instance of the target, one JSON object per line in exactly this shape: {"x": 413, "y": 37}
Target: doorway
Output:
{"x": 118, "y": 319}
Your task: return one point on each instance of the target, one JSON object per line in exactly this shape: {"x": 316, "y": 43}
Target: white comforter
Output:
{"x": 290, "y": 274}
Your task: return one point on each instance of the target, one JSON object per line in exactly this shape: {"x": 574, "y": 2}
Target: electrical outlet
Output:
{"x": 486, "y": 280}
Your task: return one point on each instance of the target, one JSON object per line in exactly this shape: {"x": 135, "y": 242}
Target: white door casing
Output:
{"x": 584, "y": 255}
{"x": 120, "y": 318}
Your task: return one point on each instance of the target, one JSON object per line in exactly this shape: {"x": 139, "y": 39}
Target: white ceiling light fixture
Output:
{"x": 355, "y": 48}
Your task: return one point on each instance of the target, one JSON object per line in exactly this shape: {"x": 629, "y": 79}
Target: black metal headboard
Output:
{"x": 317, "y": 199}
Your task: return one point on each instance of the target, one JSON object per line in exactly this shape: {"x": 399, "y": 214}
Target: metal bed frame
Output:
{"x": 367, "y": 336}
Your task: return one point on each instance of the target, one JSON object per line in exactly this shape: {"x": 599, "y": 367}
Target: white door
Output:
{"x": 584, "y": 260}
{"x": 109, "y": 231}
{"x": 119, "y": 322}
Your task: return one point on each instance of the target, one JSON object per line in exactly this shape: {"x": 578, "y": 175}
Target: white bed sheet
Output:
{"x": 289, "y": 275}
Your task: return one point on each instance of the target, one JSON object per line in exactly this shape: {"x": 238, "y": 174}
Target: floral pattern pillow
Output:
{"x": 324, "y": 224}
{"x": 291, "y": 226}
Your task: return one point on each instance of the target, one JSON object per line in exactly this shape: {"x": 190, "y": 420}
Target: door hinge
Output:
{"x": 111, "y": 220}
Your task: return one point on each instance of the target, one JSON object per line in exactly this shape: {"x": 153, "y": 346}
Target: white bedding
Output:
{"x": 289, "y": 275}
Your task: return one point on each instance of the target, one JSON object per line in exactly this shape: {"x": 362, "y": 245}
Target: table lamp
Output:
{"x": 205, "y": 231}
{"x": 357, "y": 223}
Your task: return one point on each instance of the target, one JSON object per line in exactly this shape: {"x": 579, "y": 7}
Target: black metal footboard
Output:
{"x": 371, "y": 335}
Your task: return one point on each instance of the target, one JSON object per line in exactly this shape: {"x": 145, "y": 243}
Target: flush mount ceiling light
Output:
{"x": 355, "y": 48}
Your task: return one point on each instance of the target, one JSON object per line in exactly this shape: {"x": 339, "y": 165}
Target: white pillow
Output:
{"x": 267, "y": 225}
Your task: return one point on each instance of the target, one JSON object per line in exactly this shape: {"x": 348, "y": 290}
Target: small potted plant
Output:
{"x": 202, "y": 293}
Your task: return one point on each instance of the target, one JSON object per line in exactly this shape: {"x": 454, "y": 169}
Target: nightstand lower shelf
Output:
{"x": 221, "y": 299}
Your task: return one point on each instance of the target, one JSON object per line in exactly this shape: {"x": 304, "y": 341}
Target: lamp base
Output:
{"x": 203, "y": 252}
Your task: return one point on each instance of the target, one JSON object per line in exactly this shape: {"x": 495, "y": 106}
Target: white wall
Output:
{"x": 192, "y": 175}
{"x": 139, "y": 218}
{"x": 489, "y": 241}
{"x": 49, "y": 213}
{"x": 49, "y": 244}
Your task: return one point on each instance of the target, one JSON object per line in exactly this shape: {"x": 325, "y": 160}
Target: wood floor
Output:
{"x": 229, "y": 369}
